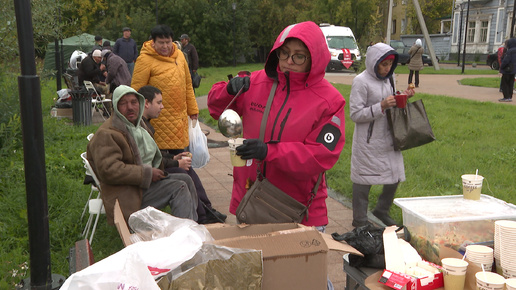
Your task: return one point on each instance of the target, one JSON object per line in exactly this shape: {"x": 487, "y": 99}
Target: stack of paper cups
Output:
{"x": 482, "y": 256}
{"x": 507, "y": 237}
{"x": 497, "y": 248}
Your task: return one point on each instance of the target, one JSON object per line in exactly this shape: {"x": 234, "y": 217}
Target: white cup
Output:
{"x": 454, "y": 273}
{"x": 489, "y": 281}
{"x": 472, "y": 186}
{"x": 510, "y": 284}
{"x": 235, "y": 159}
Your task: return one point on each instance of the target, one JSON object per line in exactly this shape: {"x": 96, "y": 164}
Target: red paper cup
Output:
{"x": 401, "y": 100}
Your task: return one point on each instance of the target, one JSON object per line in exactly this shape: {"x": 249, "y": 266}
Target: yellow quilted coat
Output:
{"x": 172, "y": 76}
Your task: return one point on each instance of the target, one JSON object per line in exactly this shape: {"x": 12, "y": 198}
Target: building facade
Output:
{"x": 488, "y": 26}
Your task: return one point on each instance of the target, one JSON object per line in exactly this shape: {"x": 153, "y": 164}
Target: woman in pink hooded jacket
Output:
{"x": 304, "y": 134}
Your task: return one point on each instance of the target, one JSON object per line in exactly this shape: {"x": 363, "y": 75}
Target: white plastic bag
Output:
{"x": 198, "y": 144}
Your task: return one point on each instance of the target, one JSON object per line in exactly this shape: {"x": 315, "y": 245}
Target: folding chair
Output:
{"x": 96, "y": 207}
{"x": 99, "y": 101}
{"x": 93, "y": 186}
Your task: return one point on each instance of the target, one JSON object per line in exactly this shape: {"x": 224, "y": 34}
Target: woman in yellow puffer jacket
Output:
{"x": 163, "y": 65}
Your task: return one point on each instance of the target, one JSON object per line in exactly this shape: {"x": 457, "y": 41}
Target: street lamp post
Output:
{"x": 465, "y": 38}
{"x": 234, "y": 33}
{"x": 460, "y": 34}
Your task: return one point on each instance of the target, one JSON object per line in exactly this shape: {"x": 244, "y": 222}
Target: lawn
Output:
{"x": 470, "y": 135}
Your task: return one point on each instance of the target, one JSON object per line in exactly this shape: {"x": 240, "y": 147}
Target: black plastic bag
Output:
{"x": 196, "y": 80}
{"x": 368, "y": 240}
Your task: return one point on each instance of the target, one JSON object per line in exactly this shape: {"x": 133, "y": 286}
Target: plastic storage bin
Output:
{"x": 451, "y": 221}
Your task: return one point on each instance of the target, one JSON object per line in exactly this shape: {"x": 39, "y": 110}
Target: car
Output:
{"x": 428, "y": 60}
{"x": 492, "y": 61}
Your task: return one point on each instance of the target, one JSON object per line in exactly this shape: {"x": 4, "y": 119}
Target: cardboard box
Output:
{"x": 451, "y": 220}
{"x": 294, "y": 256}
{"x": 403, "y": 281}
{"x": 63, "y": 113}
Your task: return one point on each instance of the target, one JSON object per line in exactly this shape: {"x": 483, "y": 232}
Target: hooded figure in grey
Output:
{"x": 373, "y": 158}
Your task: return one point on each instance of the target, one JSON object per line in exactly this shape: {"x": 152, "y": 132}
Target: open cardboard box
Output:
{"x": 294, "y": 256}
{"x": 444, "y": 252}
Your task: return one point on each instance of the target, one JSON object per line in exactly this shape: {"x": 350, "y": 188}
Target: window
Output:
{"x": 484, "y": 25}
{"x": 393, "y": 27}
{"x": 471, "y": 31}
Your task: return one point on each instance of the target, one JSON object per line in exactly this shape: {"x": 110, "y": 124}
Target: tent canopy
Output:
{"x": 83, "y": 42}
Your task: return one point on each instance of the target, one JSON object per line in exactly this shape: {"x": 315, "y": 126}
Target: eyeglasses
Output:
{"x": 298, "y": 59}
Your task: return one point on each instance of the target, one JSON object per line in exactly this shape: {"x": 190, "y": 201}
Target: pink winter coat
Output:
{"x": 305, "y": 127}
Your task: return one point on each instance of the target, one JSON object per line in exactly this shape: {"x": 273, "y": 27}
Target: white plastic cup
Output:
{"x": 472, "y": 186}
{"x": 510, "y": 284}
{"x": 489, "y": 281}
{"x": 235, "y": 159}
{"x": 454, "y": 273}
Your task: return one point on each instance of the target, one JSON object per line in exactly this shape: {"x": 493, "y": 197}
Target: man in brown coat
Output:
{"x": 129, "y": 165}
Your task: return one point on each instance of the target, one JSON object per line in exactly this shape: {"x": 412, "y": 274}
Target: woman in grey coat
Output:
{"x": 416, "y": 61}
{"x": 373, "y": 158}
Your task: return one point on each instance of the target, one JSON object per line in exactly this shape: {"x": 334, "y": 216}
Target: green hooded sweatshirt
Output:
{"x": 149, "y": 150}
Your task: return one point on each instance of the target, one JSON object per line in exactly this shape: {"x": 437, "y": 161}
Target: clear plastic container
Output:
{"x": 451, "y": 221}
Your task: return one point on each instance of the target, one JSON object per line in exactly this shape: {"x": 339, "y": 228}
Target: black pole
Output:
{"x": 234, "y": 34}
{"x": 58, "y": 64}
{"x": 513, "y": 20}
{"x": 33, "y": 152}
{"x": 460, "y": 35}
{"x": 61, "y": 40}
{"x": 465, "y": 38}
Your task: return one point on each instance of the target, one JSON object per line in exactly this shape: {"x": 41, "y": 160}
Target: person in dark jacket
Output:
{"x": 508, "y": 68}
{"x": 117, "y": 73}
{"x": 180, "y": 163}
{"x": 191, "y": 53}
{"x": 125, "y": 47}
{"x": 91, "y": 70}
{"x": 98, "y": 43}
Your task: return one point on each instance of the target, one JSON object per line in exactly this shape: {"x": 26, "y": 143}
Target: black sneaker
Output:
{"x": 213, "y": 216}
{"x": 505, "y": 100}
{"x": 385, "y": 218}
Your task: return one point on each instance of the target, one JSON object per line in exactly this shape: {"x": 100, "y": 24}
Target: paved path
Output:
{"x": 217, "y": 175}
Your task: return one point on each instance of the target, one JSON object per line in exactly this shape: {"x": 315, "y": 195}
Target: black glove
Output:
{"x": 235, "y": 84}
{"x": 252, "y": 149}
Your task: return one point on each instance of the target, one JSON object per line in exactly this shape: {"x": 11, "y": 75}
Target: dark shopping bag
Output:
{"x": 409, "y": 126}
{"x": 264, "y": 203}
{"x": 196, "y": 80}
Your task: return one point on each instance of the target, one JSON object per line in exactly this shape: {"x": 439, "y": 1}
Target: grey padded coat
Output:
{"x": 373, "y": 158}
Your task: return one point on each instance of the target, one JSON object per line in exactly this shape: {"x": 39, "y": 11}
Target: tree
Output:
{"x": 432, "y": 11}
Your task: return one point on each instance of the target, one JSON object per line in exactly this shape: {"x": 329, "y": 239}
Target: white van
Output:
{"x": 337, "y": 38}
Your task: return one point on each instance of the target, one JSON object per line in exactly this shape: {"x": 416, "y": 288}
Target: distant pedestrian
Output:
{"x": 416, "y": 61}
{"x": 508, "y": 67}
{"x": 125, "y": 47}
{"x": 98, "y": 43}
{"x": 107, "y": 45}
{"x": 191, "y": 53}
{"x": 500, "y": 54}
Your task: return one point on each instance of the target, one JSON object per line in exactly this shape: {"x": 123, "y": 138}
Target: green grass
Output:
{"x": 430, "y": 70}
{"x": 482, "y": 82}
{"x": 470, "y": 135}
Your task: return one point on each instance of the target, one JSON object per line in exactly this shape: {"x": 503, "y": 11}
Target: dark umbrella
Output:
{"x": 34, "y": 155}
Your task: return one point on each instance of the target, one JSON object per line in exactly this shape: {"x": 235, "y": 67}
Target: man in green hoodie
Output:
{"x": 129, "y": 164}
